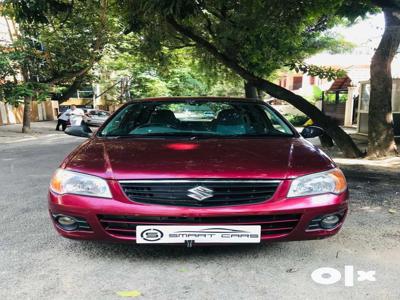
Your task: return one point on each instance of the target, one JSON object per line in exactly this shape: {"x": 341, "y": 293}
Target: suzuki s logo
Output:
{"x": 200, "y": 193}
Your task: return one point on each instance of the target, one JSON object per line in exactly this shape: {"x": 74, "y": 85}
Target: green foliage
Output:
{"x": 59, "y": 41}
{"x": 14, "y": 93}
{"x": 262, "y": 36}
{"x": 178, "y": 74}
{"x": 331, "y": 97}
{"x": 317, "y": 71}
{"x": 296, "y": 120}
{"x": 316, "y": 95}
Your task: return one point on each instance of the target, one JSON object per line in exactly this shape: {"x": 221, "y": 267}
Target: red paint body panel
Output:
{"x": 89, "y": 208}
{"x": 280, "y": 158}
{"x": 267, "y": 158}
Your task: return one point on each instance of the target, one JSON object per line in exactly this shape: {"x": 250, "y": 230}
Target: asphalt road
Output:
{"x": 35, "y": 263}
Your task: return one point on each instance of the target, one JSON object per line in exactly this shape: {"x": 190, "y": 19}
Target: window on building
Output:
{"x": 297, "y": 83}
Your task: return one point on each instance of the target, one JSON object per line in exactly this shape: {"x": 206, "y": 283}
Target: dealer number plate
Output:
{"x": 172, "y": 234}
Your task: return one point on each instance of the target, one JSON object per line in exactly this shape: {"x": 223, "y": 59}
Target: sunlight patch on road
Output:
{"x": 391, "y": 162}
{"x": 130, "y": 294}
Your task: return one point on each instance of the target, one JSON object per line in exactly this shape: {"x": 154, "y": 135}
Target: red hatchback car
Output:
{"x": 197, "y": 171}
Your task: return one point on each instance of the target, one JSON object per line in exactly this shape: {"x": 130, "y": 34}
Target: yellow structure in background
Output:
{"x": 41, "y": 111}
{"x": 78, "y": 101}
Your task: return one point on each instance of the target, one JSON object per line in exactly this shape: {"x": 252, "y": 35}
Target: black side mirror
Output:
{"x": 81, "y": 131}
{"x": 312, "y": 132}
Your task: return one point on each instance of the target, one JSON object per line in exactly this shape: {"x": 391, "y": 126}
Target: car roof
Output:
{"x": 199, "y": 98}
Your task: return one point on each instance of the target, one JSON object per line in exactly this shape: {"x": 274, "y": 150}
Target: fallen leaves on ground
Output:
{"x": 291, "y": 270}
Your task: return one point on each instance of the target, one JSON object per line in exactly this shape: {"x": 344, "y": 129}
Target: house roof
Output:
{"x": 340, "y": 84}
{"x": 357, "y": 66}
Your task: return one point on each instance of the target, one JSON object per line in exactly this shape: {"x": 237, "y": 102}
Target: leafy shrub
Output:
{"x": 296, "y": 120}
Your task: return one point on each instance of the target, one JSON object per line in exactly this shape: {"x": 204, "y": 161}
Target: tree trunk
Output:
{"x": 380, "y": 118}
{"x": 250, "y": 91}
{"x": 26, "y": 123}
{"x": 326, "y": 141}
{"x": 71, "y": 90}
{"x": 342, "y": 139}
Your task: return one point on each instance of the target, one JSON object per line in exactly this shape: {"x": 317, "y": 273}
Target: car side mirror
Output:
{"x": 312, "y": 132}
{"x": 81, "y": 131}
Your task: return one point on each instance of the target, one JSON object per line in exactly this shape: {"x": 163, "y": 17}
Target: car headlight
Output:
{"x": 69, "y": 182}
{"x": 332, "y": 181}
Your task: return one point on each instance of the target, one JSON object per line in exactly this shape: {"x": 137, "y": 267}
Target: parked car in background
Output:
{"x": 95, "y": 117}
{"x": 158, "y": 171}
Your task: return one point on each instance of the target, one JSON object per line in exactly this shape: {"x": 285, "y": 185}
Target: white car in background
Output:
{"x": 95, "y": 117}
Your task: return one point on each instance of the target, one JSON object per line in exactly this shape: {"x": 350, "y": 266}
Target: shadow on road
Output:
{"x": 174, "y": 252}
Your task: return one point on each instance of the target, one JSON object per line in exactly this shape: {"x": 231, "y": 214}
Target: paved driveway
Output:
{"x": 35, "y": 263}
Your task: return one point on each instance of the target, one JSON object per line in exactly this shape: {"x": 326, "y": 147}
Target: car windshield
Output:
{"x": 196, "y": 118}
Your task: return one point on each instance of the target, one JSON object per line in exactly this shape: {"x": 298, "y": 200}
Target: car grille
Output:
{"x": 271, "y": 225}
{"x": 176, "y": 192}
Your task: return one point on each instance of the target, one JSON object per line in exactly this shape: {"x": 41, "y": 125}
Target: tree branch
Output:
{"x": 57, "y": 78}
{"x": 341, "y": 138}
{"x": 98, "y": 45}
{"x": 70, "y": 90}
{"x": 272, "y": 89}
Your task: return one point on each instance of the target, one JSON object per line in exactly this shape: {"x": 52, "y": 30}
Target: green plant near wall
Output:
{"x": 315, "y": 96}
{"x": 331, "y": 98}
{"x": 296, "y": 120}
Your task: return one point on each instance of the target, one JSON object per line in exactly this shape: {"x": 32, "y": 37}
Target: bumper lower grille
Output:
{"x": 83, "y": 225}
{"x": 208, "y": 192}
{"x": 125, "y": 226}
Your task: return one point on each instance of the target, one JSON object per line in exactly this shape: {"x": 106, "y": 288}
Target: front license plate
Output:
{"x": 172, "y": 234}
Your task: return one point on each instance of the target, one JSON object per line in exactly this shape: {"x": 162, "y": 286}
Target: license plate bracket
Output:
{"x": 209, "y": 234}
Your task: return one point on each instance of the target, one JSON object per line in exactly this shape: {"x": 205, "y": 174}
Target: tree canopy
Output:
{"x": 251, "y": 38}
{"x": 58, "y": 44}
{"x": 248, "y": 39}
{"x": 261, "y": 36}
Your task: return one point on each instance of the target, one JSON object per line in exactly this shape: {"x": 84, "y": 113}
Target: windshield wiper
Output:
{"x": 189, "y": 135}
{"x": 194, "y": 136}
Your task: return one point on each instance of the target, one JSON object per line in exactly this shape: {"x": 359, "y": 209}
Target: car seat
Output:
{"x": 230, "y": 122}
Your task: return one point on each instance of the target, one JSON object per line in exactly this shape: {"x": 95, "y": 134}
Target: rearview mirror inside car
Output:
{"x": 312, "y": 132}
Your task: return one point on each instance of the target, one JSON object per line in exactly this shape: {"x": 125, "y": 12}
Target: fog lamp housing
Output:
{"x": 67, "y": 223}
{"x": 329, "y": 221}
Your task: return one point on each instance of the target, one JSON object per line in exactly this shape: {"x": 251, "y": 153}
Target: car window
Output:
{"x": 196, "y": 118}
{"x": 277, "y": 122}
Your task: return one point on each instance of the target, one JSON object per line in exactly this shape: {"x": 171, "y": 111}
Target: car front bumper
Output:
{"x": 115, "y": 220}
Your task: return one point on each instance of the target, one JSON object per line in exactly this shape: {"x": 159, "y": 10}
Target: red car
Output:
{"x": 197, "y": 171}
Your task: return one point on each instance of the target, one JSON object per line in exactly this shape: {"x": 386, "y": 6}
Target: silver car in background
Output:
{"x": 95, "y": 117}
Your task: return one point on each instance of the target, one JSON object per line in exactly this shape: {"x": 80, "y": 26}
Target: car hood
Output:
{"x": 267, "y": 158}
